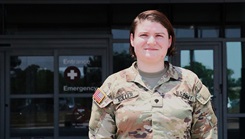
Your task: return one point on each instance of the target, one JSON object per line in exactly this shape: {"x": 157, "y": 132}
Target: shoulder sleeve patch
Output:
{"x": 101, "y": 98}
{"x": 203, "y": 96}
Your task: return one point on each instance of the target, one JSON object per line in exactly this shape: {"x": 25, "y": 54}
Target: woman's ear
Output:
{"x": 132, "y": 39}
{"x": 169, "y": 41}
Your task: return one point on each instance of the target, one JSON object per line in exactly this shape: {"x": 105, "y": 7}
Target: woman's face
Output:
{"x": 150, "y": 41}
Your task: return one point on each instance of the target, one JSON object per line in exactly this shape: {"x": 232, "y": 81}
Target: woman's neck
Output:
{"x": 150, "y": 67}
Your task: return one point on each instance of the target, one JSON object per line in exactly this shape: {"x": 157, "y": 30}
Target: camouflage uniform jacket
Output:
{"x": 178, "y": 107}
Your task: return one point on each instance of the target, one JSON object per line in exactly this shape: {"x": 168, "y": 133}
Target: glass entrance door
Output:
{"x": 204, "y": 59}
{"x": 49, "y": 92}
{"x": 29, "y": 94}
{"x": 80, "y": 74}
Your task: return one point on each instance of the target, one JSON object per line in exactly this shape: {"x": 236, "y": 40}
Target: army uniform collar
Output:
{"x": 171, "y": 72}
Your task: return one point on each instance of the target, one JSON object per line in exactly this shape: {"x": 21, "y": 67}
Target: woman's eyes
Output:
{"x": 143, "y": 35}
{"x": 159, "y": 35}
{"x": 146, "y": 35}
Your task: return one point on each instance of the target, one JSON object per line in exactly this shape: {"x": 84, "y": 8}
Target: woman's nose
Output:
{"x": 151, "y": 41}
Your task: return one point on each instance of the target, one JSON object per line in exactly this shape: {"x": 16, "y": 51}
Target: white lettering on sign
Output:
{"x": 73, "y": 61}
{"x": 72, "y": 74}
{"x": 79, "y": 88}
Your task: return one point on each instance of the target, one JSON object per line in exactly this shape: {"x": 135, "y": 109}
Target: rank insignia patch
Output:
{"x": 99, "y": 96}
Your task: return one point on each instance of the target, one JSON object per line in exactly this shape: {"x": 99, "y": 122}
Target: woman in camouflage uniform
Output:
{"x": 152, "y": 98}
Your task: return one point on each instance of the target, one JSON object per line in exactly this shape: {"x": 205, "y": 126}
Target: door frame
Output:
{"x": 218, "y": 70}
{"x": 2, "y": 95}
{"x": 50, "y": 46}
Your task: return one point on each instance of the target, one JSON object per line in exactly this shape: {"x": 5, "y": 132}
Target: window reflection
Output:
{"x": 74, "y": 115}
{"x": 197, "y": 32}
{"x": 184, "y": 32}
{"x": 235, "y": 128}
{"x": 234, "y": 66}
{"x": 121, "y": 57}
{"x": 208, "y": 32}
{"x": 233, "y": 32}
{"x": 120, "y": 33}
{"x": 31, "y": 74}
{"x": 27, "y": 116}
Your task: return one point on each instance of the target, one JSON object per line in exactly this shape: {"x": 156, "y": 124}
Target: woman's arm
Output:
{"x": 204, "y": 119}
{"x": 102, "y": 123}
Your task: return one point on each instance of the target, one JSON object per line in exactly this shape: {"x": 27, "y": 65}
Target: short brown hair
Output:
{"x": 154, "y": 16}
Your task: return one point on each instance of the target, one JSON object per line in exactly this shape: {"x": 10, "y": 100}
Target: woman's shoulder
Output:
{"x": 185, "y": 72}
{"x": 189, "y": 77}
{"x": 120, "y": 76}
{"x": 117, "y": 80}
